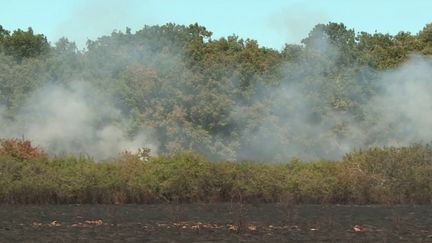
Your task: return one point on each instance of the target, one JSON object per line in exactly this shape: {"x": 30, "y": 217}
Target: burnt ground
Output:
{"x": 214, "y": 223}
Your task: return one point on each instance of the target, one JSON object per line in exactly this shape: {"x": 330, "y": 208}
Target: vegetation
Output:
{"x": 216, "y": 97}
{"x": 377, "y": 175}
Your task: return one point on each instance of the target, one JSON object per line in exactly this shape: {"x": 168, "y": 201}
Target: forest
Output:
{"x": 171, "y": 113}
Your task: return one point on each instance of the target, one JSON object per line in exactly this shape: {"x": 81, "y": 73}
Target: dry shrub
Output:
{"x": 20, "y": 149}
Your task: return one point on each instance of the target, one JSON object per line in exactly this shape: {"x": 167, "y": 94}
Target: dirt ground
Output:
{"x": 214, "y": 223}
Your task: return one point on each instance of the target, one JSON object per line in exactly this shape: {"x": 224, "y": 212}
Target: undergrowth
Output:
{"x": 371, "y": 176}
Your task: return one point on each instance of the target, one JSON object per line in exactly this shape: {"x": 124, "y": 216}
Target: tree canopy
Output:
{"x": 227, "y": 97}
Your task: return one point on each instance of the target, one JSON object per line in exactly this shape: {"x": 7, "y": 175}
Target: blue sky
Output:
{"x": 272, "y": 22}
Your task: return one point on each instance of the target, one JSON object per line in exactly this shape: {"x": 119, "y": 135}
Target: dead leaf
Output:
{"x": 233, "y": 227}
{"x": 94, "y": 222}
{"x": 55, "y": 223}
{"x": 358, "y": 228}
{"x": 252, "y": 227}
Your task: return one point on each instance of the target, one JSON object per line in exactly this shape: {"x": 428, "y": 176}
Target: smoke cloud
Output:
{"x": 404, "y": 106}
{"x": 74, "y": 119}
{"x": 317, "y": 111}
{"x": 295, "y": 20}
{"x": 313, "y": 115}
{"x": 82, "y": 25}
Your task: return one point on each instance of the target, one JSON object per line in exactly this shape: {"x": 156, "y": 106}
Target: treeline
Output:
{"x": 377, "y": 175}
{"x": 221, "y": 97}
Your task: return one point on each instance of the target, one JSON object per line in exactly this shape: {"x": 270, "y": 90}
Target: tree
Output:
{"x": 25, "y": 44}
{"x": 3, "y": 34}
{"x": 425, "y": 37}
{"x": 333, "y": 40}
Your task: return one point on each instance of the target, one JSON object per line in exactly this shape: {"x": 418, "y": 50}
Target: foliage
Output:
{"x": 20, "y": 149}
{"x": 211, "y": 95}
{"x": 218, "y": 97}
{"x": 23, "y": 44}
{"x": 376, "y": 175}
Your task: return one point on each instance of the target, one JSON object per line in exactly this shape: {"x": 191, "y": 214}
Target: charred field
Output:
{"x": 220, "y": 222}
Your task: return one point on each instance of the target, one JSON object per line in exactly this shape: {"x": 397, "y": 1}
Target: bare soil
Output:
{"x": 222, "y": 222}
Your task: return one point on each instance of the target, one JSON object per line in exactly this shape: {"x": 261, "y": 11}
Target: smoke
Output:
{"x": 316, "y": 114}
{"x": 74, "y": 119}
{"x": 295, "y": 20}
{"x": 404, "y": 106}
{"x": 82, "y": 24}
{"x": 321, "y": 109}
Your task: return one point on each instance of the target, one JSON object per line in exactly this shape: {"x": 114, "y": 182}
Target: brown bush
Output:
{"x": 20, "y": 149}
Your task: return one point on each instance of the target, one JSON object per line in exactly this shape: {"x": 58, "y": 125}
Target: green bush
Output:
{"x": 375, "y": 175}
{"x": 391, "y": 174}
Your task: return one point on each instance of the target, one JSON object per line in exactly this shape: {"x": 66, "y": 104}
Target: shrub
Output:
{"x": 21, "y": 149}
{"x": 374, "y": 175}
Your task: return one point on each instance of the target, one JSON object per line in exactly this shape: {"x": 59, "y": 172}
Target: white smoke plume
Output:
{"x": 74, "y": 119}
{"x": 398, "y": 113}
{"x": 404, "y": 106}
{"x": 311, "y": 114}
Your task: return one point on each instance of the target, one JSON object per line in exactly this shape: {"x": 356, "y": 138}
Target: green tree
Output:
{"x": 333, "y": 40}
{"x": 425, "y": 37}
{"x": 25, "y": 44}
